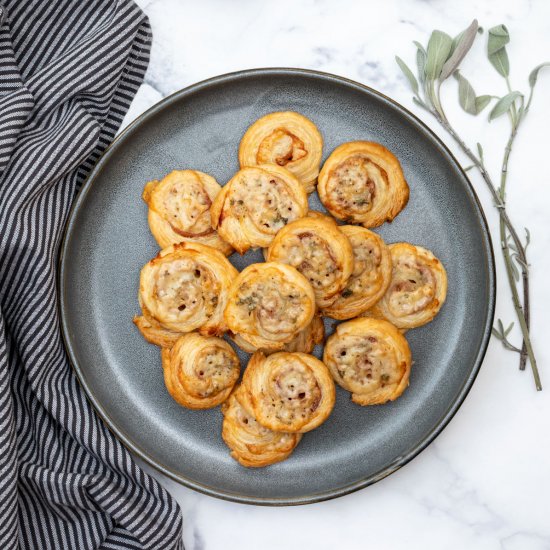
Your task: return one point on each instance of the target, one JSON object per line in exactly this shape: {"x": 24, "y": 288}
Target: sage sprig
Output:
{"x": 435, "y": 64}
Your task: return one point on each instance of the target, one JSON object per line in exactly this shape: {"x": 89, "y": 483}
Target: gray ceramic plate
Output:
{"x": 107, "y": 242}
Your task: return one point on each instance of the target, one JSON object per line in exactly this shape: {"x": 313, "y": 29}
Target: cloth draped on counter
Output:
{"x": 69, "y": 70}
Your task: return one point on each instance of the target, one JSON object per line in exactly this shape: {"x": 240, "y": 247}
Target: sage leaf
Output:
{"x": 503, "y": 104}
{"x": 496, "y": 51}
{"x": 480, "y": 151}
{"x": 527, "y": 238}
{"x": 419, "y": 46}
{"x": 496, "y": 334}
{"x": 459, "y": 50}
{"x": 437, "y": 53}
{"x": 508, "y": 330}
{"x": 515, "y": 270}
{"x": 421, "y": 62}
{"x": 481, "y": 102}
{"x": 420, "y": 103}
{"x": 466, "y": 94}
{"x": 535, "y": 73}
{"x": 408, "y": 73}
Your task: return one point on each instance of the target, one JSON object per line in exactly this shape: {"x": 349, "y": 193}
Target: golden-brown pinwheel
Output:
{"x": 288, "y": 392}
{"x": 286, "y": 139}
{"x": 304, "y": 342}
{"x": 200, "y": 371}
{"x": 371, "y": 274}
{"x": 370, "y": 358}
{"x": 255, "y": 204}
{"x": 362, "y": 182}
{"x": 269, "y": 304}
{"x": 154, "y": 333}
{"x": 317, "y": 248}
{"x": 417, "y": 290}
{"x": 179, "y": 209}
{"x": 251, "y": 444}
{"x": 185, "y": 288}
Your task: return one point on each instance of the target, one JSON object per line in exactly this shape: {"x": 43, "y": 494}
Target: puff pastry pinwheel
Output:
{"x": 370, "y": 358}
{"x": 154, "y": 333}
{"x": 269, "y": 304}
{"x": 286, "y": 139}
{"x": 417, "y": 290}
{"x": 372, "y": 268}
{"x": 304, "y": 342}
{"x": 255, "y": 204}
{"x": 200, "y": 371}
{"x": 288, "y": 392}
{"x": 362, "y": 183}
{"x": 179, "y": 209}
{"x": 251, "y": 444}
{"x": 317, "y": 248}
{"x": 185, "y": 288}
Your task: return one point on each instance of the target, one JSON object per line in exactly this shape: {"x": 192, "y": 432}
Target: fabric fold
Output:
{"x": 69, "y": 71}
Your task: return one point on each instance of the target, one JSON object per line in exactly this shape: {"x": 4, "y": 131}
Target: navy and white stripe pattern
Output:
{"x": 68, "y": 72}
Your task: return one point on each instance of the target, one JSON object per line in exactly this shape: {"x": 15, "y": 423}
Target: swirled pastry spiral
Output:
{"x": 251, "y": 444}
{"x": 362, "y": 182}
{"x": 371, "y": 275}
{"x": 417, "y": 290}
{"x": 288, "y": 392}
{"x": 255, "y": 204}
{"x": 304, "y": 342}
{"x": 154, "y": 333}
{"x": 317, "y": 248}
{"x": 179, "y": 209}
{"x": 200, "y": 371}
{"x": 185, "y": 288}
{"x": 370, "y": 358}
{"x": 269, "y": 304}
{"x": 286, "y": 139}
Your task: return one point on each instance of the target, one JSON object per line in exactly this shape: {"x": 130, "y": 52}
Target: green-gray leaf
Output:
{"x": 408, "y": 73}
{"x": 503, "y": 104}
{"x": 438, "y": 51}
{"x": 496, "y": 51}
{"x": 481, "y": 102}
{"x": 535, "y": 73}
{"x": 480, "y": 151}
{"x": 421, "y": 62}
{"x": 466, "y": 94}
{"x": 460, "y": 47}
{"x": 507, "y": 331}
{"x": 515, "y": 271}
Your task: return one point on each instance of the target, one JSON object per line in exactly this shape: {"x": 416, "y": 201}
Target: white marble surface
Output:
{"x": 484, "y": 484}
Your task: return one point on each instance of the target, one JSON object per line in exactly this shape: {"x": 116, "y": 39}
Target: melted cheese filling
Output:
{"x": 366, "y": 363}
{"x": 214, "y": 370}
{"x": 311, "y": 256}
{"x": 275, "y": 305}
{"x": 352, "y": 185}
{"x": 257, "y": 438}
{"x": 280, "y": 147}
{"x": 264, "y": 199}
{"x": 183, "y": 289}
{"x": 366, "y": 277}
{"x": 293, "y": 392}
{"x": 184, "y": 204}
{"x": 413, "y": 287}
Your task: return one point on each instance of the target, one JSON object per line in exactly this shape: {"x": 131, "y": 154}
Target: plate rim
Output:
{"x": 126, "y": 440}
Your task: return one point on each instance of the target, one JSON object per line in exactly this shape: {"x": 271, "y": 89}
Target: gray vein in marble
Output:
{"x": 198, "y": 540}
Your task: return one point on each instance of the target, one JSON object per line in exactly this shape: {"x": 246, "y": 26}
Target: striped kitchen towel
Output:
{"x": 68, "y": 72}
